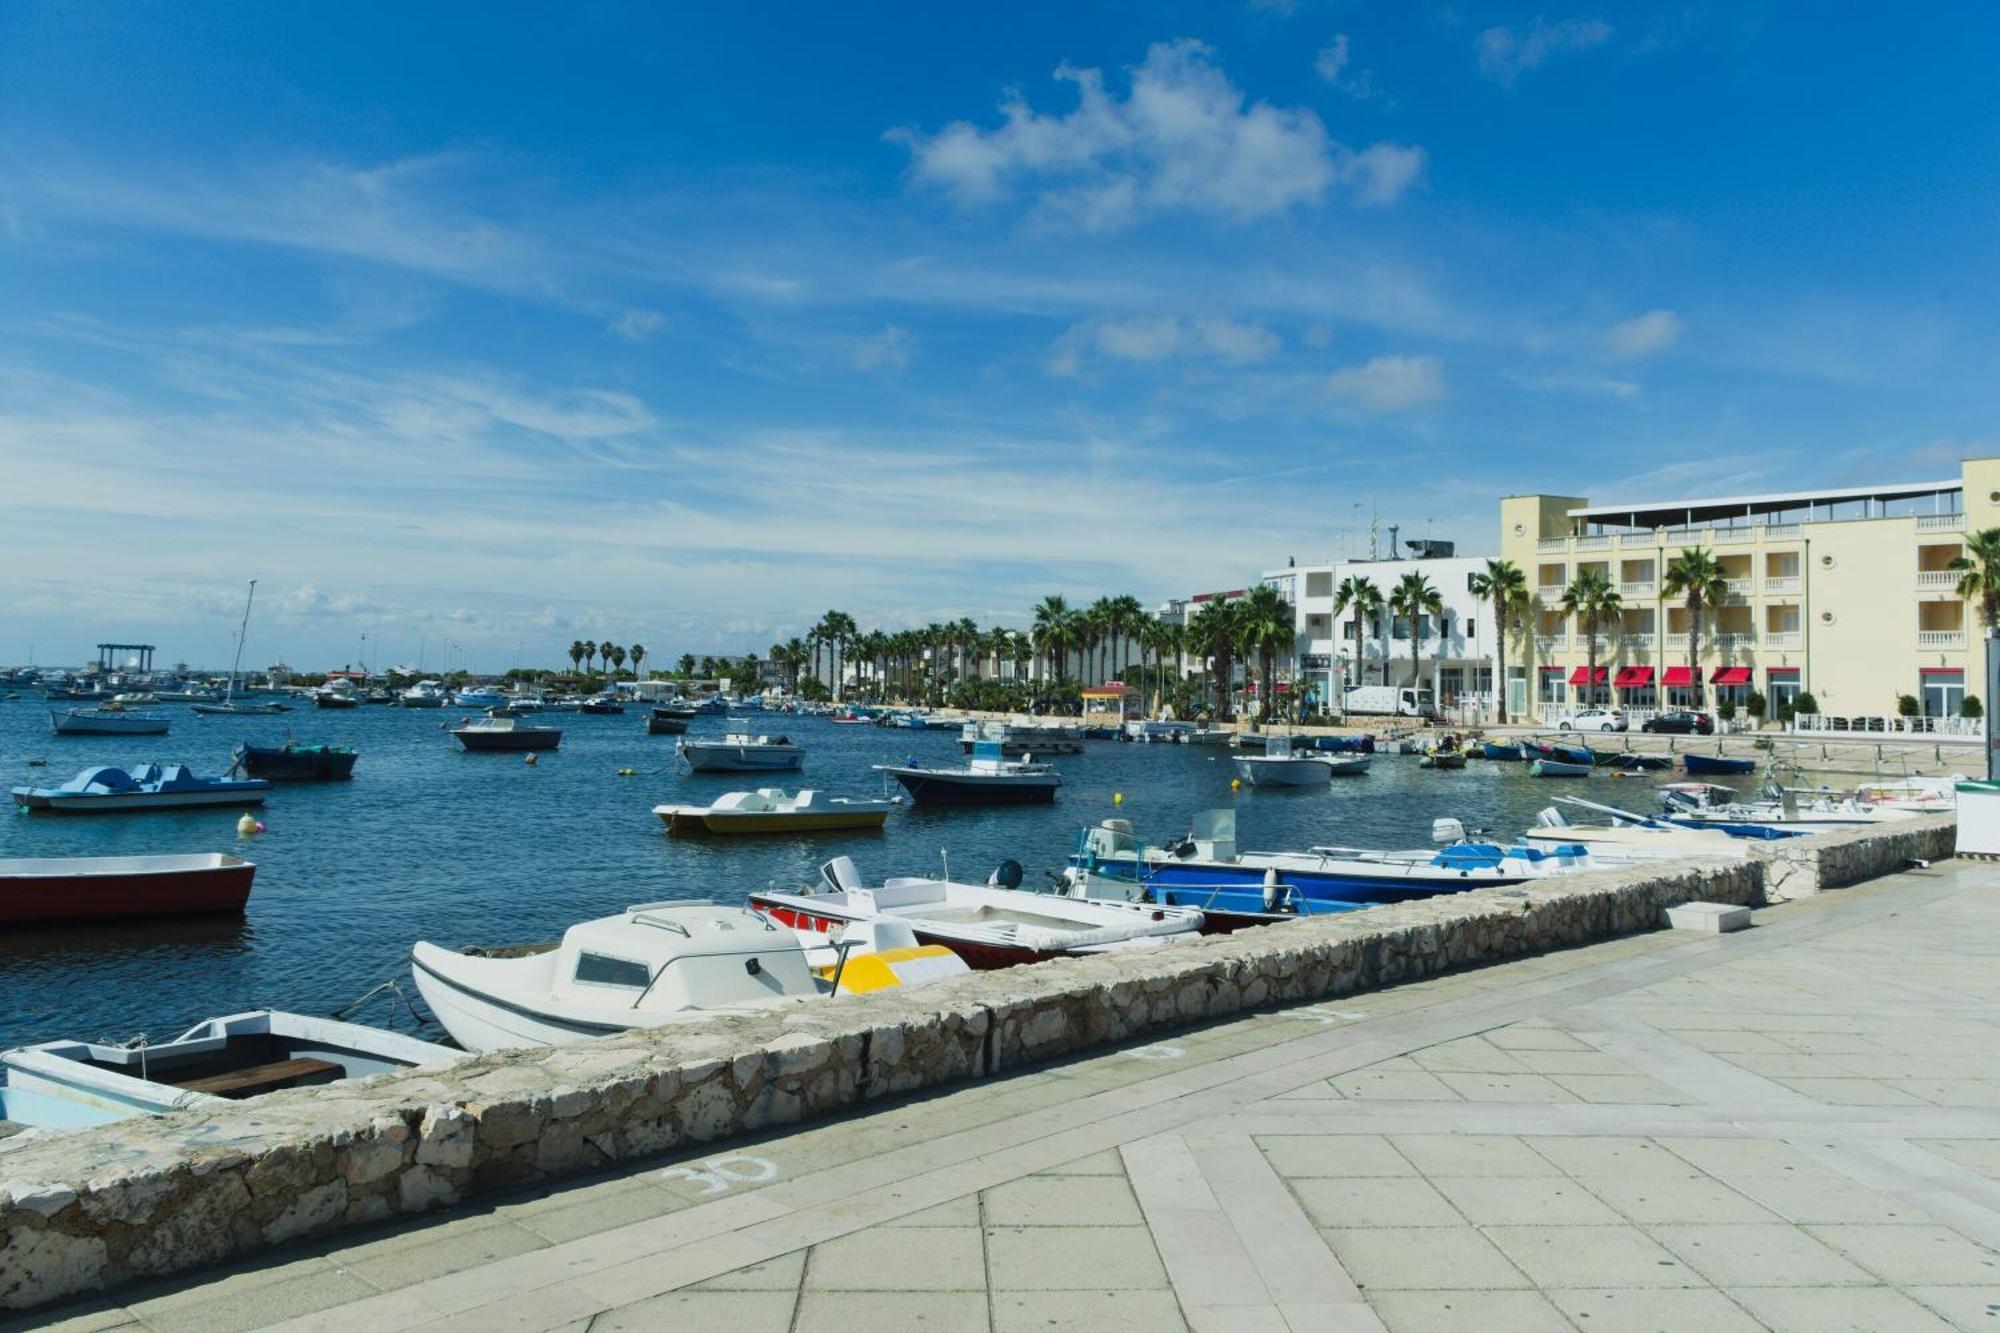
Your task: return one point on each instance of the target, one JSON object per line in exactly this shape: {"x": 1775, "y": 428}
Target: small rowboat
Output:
{"x": 504, "y": 733}
{"x": 769, "y": 810}
{"x": 97, "y": 888}
{"x": 667, "y": 722}
{"x": 1715, "y": 763}
{"x": 1495, "y": 750}
{"x": 1558, "y": 768}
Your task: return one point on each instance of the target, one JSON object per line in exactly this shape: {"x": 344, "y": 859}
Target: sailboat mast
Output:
{"x": 242, "y": 631}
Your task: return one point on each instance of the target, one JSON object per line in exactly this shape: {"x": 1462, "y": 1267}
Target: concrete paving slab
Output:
{"x": 1073, "y": 1259}
{"x": 1839, "y": 1310}
{"x": 1472, "y": 1155}
{"x": 899, "y": 1259}
{"x": 1296, "y": 1156}
{"x": 736, "y": 1311}
{"x": 1489, "y": 1201}
{"x": 1063, "y": 1201}
{"x": 1590, "y": 1256}
{"x": 1824, "y": 1197}
{"x": 416, "y": 1256}
{"x": 1422, "y": 1259}
{"x": 1099, "y": 1311}
{"x": 1915, "y": 1255}
{"x": 784, "y": 1273}
{"x": 256, "y": 1306}
{"x": 1607, "y": 1155}
{"x": 878, "y": 1311}
{"x": 1654, "y": 1199}
{"x": 1760, "y": 1255}
{"x": 1469, "y": 1312}
{"x": 1654, "y": 1310}
{"x": 1375, "y": 1201}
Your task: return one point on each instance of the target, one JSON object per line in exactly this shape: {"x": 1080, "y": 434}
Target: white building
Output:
{"x": 1456, "y": 656}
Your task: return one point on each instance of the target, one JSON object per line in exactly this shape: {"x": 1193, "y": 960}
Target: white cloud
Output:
{"x": 638, "y": 325}
{"x": 1389, "y": 383}
{"x": 1183, "y": 139}
{"x": 1140, "y": 339}
{"x": 1238, "y": 342}
{"x": 889, "y": 350}
{"x": 1147, "y": 339}
{"x": 1334, "y": 64}
{"x": 1644, "y": 335}
{"x": 1505, "y": 55}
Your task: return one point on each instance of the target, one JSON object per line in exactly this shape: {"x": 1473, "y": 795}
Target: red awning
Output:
{"x": 1683, "y": 676}
{"x": 1581, "y": 676}
{"x": 1733, "y": 676}
{"x": 1940, "y": 671}
{"x": 1633, "y": 677}
{"x": 1781, "y": 671}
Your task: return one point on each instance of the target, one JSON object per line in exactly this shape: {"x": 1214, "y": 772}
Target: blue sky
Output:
{"x": 502, "y": 326}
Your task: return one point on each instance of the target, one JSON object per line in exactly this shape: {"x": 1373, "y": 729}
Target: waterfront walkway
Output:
{"x": 1794, "y": 1127}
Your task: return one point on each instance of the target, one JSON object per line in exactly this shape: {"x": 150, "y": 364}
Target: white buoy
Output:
{"x": 248, "y": 827}
{"x": 1270, "y": 888}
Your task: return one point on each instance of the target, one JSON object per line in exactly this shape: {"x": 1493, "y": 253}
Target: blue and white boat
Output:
{"x": 106, "y": 721}
{"x": 1206, "y": 870}
{"x": 111, "y": 790}
{"x": 479, "y": 697}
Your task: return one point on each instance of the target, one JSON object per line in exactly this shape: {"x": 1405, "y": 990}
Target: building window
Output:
{"x": 596, "y": 969}
{"x": 1781, "y": 693}
{"x": 1944, "y": 694}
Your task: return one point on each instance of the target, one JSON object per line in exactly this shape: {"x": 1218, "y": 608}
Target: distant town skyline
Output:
{"x": 502, "y": 327}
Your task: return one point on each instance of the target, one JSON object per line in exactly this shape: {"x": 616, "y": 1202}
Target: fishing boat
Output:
{"x": 987, "y": 778}
{"x": 655, "y": 965}
{"x": 337, "y": 693}
{"x": 769, "y": 810}
{"x": 990, "y": 925}
{"x": 296, "y": 761}
{"x": 1205, "y": 870}
{"x": 665, "y": 722}
{"x": 1018, "y": 738}
{"x": 423, "y": 694}
{"x": 1558, "y": 768}
{"x": 1281, "y": 766}
{"x": 741, "y": 751}
{"x": 1715, "y": 765}
{"x": 106, "y": 721}
{"x": 1500, "y": 751}
{"x": 133, "y": 699}
{"x": 110, "y": 790}
{"x": 505, "y": 733}
{"x": 68, "y": 1084}
{"x": 42, "y": 890}
{"x": 602, "y": 704}
{"x": 849, "y": 718}
{"x": 1444, "y": 752}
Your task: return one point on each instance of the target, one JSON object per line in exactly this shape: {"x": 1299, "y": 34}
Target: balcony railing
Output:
{"x": 1774, "y": 532}
{"x": 1940, "y": 638}
{"x": 1734, "y": 536}
{"x": 1941, "y": 523}
{"x": 1601, "y": 543}
{"x": 1738, "y": 587}
{"x": 1552, "y": 546}
{"x": 1640, "y": 639}
{"x": 1939, "y": 578}
{"x": 1784, "y": 638}
{"x": 1630, "y": 591}
{"x": 1676, "y": 641}
{"x": 1734, "y": 639}
{"x": 1548, "y": 642}
{"x": 1782, "y": 585}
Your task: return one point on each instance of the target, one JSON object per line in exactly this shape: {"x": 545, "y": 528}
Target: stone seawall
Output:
{"x": 91, "y": 1208}
{"x": 1799, "y": 867}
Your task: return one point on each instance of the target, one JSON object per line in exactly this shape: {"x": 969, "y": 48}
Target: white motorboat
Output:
{"x": 423, "y": 694}
{"x": 1783, "y": 810}
{"x": 69, "y": 1084}
{"x": 769, "y": 810}
{"x": 1281, "y": 766}
{"x": 997, "y": 924}
{"x": 110, "y": 720}
{"x": 506, "y": 733}
{"x": 653, "y": 965}
{"x": 1211, "y": 736}
{"x": 1655, "y": 841}
{"x": 985, "y": 779}
{"x": 741, "y": 751}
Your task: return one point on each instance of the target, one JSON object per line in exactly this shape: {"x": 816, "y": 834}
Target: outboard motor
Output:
{"x": 840, "y": 874}
{"x": 1447, "y": 830}
{"x": 1006, "y": 875}
{"x": 1550, "y": 817}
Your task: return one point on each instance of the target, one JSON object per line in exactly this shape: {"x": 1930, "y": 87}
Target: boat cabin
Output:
{"x": 670, "y": 956}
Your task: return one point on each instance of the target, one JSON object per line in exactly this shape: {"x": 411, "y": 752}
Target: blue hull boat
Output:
{"x": 1492, "y": 750}
{"x": 297, "y": 762}
{"x": 109, "y": 790}
{"x": 1708, "y": 764}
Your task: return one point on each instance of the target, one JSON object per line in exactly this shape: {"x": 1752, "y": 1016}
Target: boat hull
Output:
{"x": 741, "y": 759}
{"x": 666, "y": 726}
{"x": 520, "y": 738}
{"x": 282, "y": 765}
{"x": 72, "y": 724}
{"x": 938, "y": 789}
{"x": 1558, "y": 768}
{"x": 482, "y": 1022}
{"x": 1239, "y": 888}
{"x": 63, "y": 889}
{"x": 1295, "y": 772}
{"x": 135, "y": 802}
{"x": 1715, "y": 764}
{"x": 979, "y": 955}
{"x": 696, "y": 820}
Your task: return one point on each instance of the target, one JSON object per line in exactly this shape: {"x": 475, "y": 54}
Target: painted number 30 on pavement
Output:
{"x": 718, "y": 1174}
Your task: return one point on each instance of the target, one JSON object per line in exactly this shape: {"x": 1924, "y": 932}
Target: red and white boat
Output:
{"x": 988, "y": 925}
{"x": 94, "y": 888}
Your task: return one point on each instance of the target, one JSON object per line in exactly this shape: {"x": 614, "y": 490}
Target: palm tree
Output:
{"x": 590, "y": 654}
{"x": 1507, "y": 587}
{"x": 1591, "y": 599}
{"x": 1123, "y": 616}
{"x": 617, "y": 656}
{"x": 638, "y": 651}
{"x": 1358, "y": 591}
{"x": 686, "y": 665}
{"x": 1981, "y": 579}
{"x": 1265, "y": 623}
{"x": 1695, "y": 575}
{"x": 1051, "y": 630}
{"x": 1211, "y": 636}
{"x": 576, "y": 654}
{"x": 1415, "y": 598}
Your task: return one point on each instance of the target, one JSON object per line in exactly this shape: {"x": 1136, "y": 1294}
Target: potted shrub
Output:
{"x": 1971, "y": 707}
{"x": 1725, "y": 713}
{"x": 1907, "y": 706}
{"x": 1755, "y": 706}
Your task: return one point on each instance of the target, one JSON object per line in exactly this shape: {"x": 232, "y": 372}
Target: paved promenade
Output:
{"x": 1792, "y": 1128}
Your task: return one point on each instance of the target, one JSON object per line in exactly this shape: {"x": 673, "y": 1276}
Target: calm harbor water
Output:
{"x": 428, "y": 842}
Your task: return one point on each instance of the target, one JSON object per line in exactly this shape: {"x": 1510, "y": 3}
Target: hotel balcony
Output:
{"x": 1784, "y": 585}
{"x": 1644, "y": 640}
{"x": 1632, "y": 591}
{"x": 1672, "y": 539}
{"x": 1677, "y": 641}
{"x": 1783, "y": 639}
{"x": 1939, "y": 580}
{"x": 1739, "y": 587}
{"x": 1740, "y": 639}
{"x": 1940, "y": 638}
{"x": 1546, "y": 643}
{"x": 1941, "y": 523}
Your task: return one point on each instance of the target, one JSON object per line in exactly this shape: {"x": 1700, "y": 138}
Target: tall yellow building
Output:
{"x": 1846, "y": 593}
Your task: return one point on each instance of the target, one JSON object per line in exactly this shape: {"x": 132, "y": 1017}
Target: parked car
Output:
{"x": 1592, "y": 719}
{"x": 1682, "y": 722}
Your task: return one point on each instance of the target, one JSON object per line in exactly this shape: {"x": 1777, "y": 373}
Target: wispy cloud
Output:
{"x": 1389, "y": 383}
{"x": 1183, "y": 139}
{"x": 1335, "y": 64}
{"x": 1505, "y": 55}
{"x": 1644, "y": 335}
{"x": 1153, "y": 338}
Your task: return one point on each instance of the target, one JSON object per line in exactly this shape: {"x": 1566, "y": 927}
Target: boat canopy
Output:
{"x": 669, "y": 956}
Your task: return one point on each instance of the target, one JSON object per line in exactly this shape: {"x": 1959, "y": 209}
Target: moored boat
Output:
{"x": 1716, "y": 765}
{"x": 667, "y": 722}
{"x": 505, "y": 733}
{"x": 110, "y": 790}
{"x": 337, "y": 693}
{"x": 1500, "y": 751}
{"x": 1558, "y": 768}
{"x": 423, "y": 694}
{"x": 42, "y": 890}
{"x": 296, "y": 761}
{"x": 1019, "y": 738}
{"x": 74, "y": 1083}
{"x": 769, "y": 810}
{"x": 602, "y": 704}
{"x": 987, "y": 778}
{"x": 1281, "y": 766}
{"x": 106, "y": 721}
{"x": 989, "y": 925}
{"x": 741, "y": 751}
{"x": 479, "y": 697}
